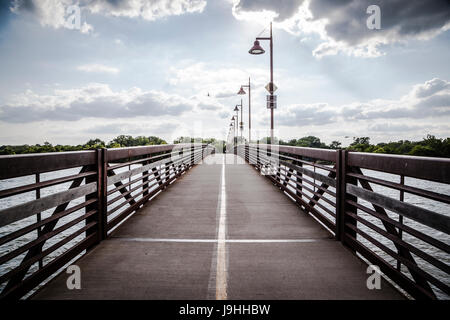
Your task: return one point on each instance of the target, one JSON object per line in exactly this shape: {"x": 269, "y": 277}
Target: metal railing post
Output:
{"x": 98, "y": 196}
{"x": 145, "y": 179}
{"x": 299, "y": 186}
{"x": 342, "y": 218}
{"x": 257, "y": 154}
{"x": 340, "y": 195}
{"x": 103, "y": 200}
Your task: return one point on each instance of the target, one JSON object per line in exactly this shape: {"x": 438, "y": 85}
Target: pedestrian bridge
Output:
{"x": 259, "y": 222}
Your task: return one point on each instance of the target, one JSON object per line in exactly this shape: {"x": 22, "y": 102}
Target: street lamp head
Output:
{"x": 241, "y": 91}
{"x": 232, "y": 118}
{"x": 256, "y": 49}
{"x": 236, "y": 108}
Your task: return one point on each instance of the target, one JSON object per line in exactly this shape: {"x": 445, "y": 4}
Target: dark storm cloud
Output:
{"x": 5, "y": 12}
{"x": 347, "y": 18}
{"x": 23, "y": 5}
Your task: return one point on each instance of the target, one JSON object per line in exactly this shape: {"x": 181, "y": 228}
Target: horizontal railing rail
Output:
{"x": 54, "y": 207}
{"x": 392, "y": 211}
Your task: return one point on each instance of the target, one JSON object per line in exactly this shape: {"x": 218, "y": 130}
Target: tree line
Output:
{"x": 119, "y": 141}
{"x": 429, "y": 146}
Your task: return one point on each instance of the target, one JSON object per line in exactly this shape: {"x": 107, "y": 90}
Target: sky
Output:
{"x": 173, "y": 68}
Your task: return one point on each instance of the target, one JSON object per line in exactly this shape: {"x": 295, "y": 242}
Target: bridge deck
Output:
{"x": 266, "y": 248}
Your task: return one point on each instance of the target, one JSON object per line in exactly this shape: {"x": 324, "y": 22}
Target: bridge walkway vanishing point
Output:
{"x": 222, "y": 231}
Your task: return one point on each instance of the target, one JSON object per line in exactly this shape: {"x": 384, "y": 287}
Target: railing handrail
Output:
{"x": 19, "y": 165}
{"x": 125, "y": 152}
{"x": 434, "y": 169}
{"x": 318, "y": 153}
{"x": 427, "y": 168}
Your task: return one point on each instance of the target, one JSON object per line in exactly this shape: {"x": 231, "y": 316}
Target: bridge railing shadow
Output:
{"x": 392, "y": 211}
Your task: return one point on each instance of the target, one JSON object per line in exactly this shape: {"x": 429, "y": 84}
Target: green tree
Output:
{"x": 335, "y": 145}
{"x": 94, "y": 144}
{"x": 311, "y": 142}
{"x": 420, "y": 150}
{"x": 360, "y": 144}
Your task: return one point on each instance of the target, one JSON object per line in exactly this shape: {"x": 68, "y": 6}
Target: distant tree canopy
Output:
{"x": 120, "y": 141}
{"x": 129, "y": 141}
{"x": 429, "y": 146}
{"x": 309, "y": 141}
{"x": 217, "y": 143}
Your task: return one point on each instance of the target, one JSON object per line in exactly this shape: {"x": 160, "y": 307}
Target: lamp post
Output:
{"x": 237, "y": 121}
{"x": 257, "y": 49}
{"x": 230, "y": 131}
{"x": 241, "y": 91}
{"x": 233, "y": 124}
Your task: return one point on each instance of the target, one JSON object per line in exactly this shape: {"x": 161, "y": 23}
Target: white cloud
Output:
{"x": 92, "y": 101}
{"x": 98, "y": 68}
{"x": 148, "y": 10}
{"x": 424, "y": 108}
{"x": 55, "y": 13}
{"x": 430, "y": 87}
{"x": 86, "y": 28}
{"x": 132, "y": 128}
{"x": 51, "y": 13}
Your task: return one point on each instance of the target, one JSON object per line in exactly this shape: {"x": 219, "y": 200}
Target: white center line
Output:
{"x": 221, "y": 265}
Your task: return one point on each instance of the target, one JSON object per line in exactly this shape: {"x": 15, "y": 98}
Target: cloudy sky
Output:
{"x": 173, "y": 67}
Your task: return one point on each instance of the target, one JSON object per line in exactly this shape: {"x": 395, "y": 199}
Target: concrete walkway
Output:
{"x": 220, "y": 232}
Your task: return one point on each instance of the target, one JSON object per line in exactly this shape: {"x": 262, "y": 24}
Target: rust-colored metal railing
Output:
{"x": 56, "y": 206}
{"x": 392, "y": 211}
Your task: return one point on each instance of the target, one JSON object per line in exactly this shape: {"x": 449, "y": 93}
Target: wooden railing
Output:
{"x": 392, "y": 211}
{"x": 59, "y": 205}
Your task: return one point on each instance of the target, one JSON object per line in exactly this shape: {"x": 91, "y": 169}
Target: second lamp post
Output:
{"x": 241, "y": 91}
{"x": 241, "y": 123}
